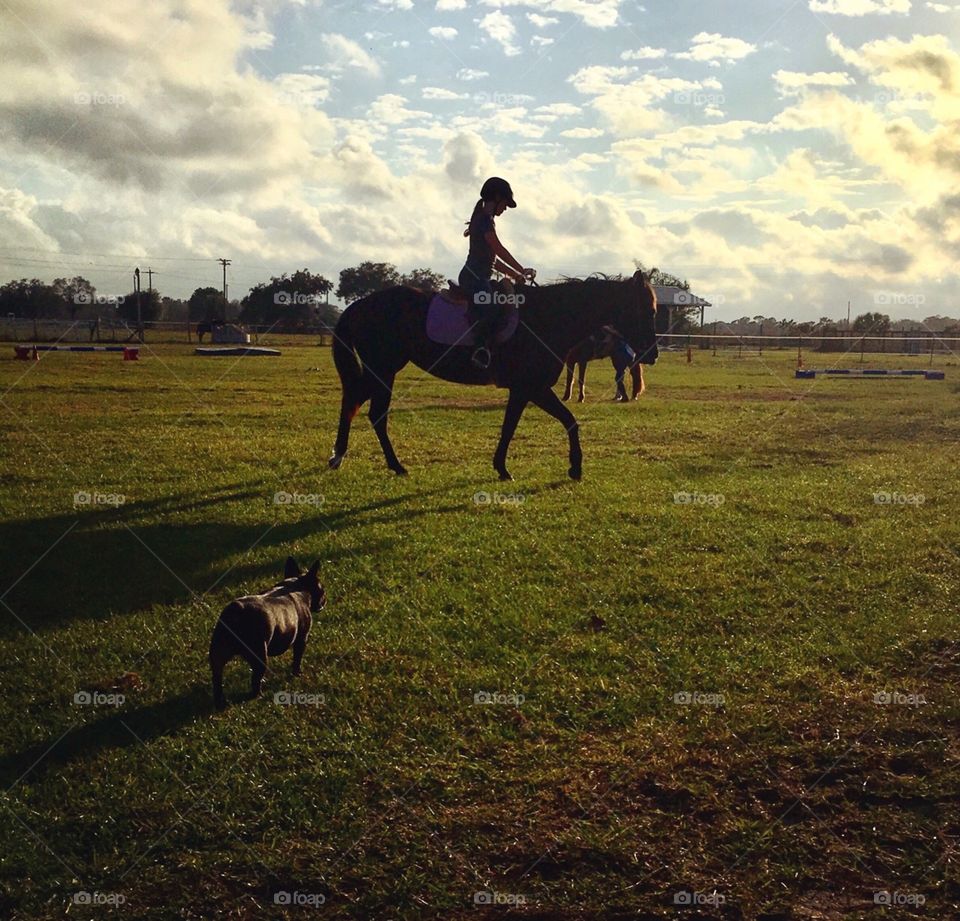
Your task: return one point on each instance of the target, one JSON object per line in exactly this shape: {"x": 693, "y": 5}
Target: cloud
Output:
{"x": 541, "y": 22}
{"x": 437, "y": 92}
{"x": 446, "y": 6}
{"x": 343, "y": 54}
{"x": 445, "y": 32}
{"x": 468, "y": 73}
{"x": 501, "y": 29}
{"x": 582, "y": 133}
{"x": 791, "y": 83}
{"x": 714, "y": 49}
{"x": 859, "y": 7}
{"x": 644, "y": 53}
{"x": 599, "y": 14}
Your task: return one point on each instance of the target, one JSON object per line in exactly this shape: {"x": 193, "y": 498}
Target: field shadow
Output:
{"x": 123, "y": 729}
{"x": 97, "y": 562}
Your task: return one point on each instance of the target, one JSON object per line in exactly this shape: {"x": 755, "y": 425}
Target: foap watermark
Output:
{"x": 296, "y": 298}
{"x": 689, "y": 299}
{"x": 899, "y": 299}
{"x": 698, "y": 98}
{"x": 698, "y": 698}
{"x": 98, "y": 699}
{"x": 896, "y": 699}
{"x": 685, "y": 897}
{"x": 501, "y": 100}
{"x": 491, "y": 897}
{"x": 499, "y": 298}
{"x": 97, "y": 98}
{"x": 298, "y": 498}
{"x": 84, "y": 298}
{"x": 499, "y": 498}
{"x": 84, "y": 499}
{"x": 298, "y": 699}
{"x": 98, "y": 898}
{"x": 890, "y": 97}
{"x": 285, "y": 897}
{"x": 713, "y": 499}
{"x": 884, "y": 897}
{"x": 482, "y": 698}
{"x": 898, "y": 498}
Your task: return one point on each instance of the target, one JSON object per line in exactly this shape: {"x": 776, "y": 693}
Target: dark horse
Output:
{"x": 207, "y": 326}
{"x": 606, "y": 343}
{"x": 378, "y": 334}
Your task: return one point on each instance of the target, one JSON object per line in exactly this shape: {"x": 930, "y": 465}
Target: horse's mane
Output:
{"x": 569, "y": 288}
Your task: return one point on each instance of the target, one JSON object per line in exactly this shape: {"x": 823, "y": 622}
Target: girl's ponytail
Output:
{"x": 476, "y": 209}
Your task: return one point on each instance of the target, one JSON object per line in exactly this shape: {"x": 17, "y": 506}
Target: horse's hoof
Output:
{"x": 575, "y": 473}
{"x": 399, "y": 471}
{"x": 335, "y": 461}
{"x": 505, "y": 476}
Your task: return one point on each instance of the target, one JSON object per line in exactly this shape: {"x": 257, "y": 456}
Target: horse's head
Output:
{"x": 636, "y": 317}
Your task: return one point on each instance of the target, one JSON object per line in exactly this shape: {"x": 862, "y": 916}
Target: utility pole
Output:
{"x": 150, "y": 282}
{"x": 136, "y": 288}
{"x": 226, "y": 303}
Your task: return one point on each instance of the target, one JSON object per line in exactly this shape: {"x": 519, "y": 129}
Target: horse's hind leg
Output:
{"x": 379, "y": 408}
{"x": 639, "y": 386}
{"x": 547, "y": 400}
{"x": 516, "y": 403}
{"x": 349, "y": 407}
{"x": 583, "y": 377}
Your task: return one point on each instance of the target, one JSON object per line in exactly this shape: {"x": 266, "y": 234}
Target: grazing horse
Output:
{"x": 207, "y": 326}
{"x": 378, "y": 334}
{"x": 607, "y": 343}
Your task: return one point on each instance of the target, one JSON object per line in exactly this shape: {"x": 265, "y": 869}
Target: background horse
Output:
{"x": 606, "y": 343}
{"x": 378, "y": 334}
{"x": 207, "y": 326}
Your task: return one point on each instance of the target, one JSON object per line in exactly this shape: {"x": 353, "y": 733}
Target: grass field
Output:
{"x": 685, "y": 719}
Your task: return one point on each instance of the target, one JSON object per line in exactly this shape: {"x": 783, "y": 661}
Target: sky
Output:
{"x": 784, "y": 156}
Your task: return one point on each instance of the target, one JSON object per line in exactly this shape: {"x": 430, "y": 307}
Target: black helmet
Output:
{"x": 495, "y": 187}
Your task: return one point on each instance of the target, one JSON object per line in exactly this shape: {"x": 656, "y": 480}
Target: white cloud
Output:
{"x": 468, "y": 73}
{"x": 600, "y": 14}
{"x": 447, "y": 6}
{"x": 791, "y": 82}
{"x": 445, "y": 32}
{"x": 859, "y": 7}
{"x": 501, "y": 29}
{"x": 343, "y": 53}
{"x": 644, "y": 53}
{"x": 714, "y": 49}
{"x": 541, "y": 22}
{"x": 541, "y": 41}
{"x": 582, "y": 133}
{"x": 437, "y": 92}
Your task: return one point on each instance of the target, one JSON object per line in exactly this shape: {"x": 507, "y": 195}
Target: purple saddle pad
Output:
{"x": 448, "y": 324}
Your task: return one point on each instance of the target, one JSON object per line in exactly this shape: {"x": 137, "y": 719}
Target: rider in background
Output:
{"x": 487, "y": 254}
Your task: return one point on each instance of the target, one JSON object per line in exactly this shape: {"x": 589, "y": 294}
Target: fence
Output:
{"x": 892, "y": 343}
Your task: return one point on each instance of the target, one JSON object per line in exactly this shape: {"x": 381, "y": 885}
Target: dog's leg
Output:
{"x": 299, "y": 645}
{"x": 218, "y": 659}
{"x": 258, "y": 663}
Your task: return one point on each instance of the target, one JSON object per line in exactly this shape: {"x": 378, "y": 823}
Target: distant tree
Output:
{"x": 871, "y": 323}
{"x": 658, "y": 277}
{"x": 366, "y": 278}
{"x": 150, "y": 306}
{"x": 173, "y": 309}
{"x": 76, "y": 292}
{"x": 805, "y": 328}
{"x": 33, "y": 299}
{"x": 424, "y": 279}
{"x": 290, "y": 302}
{"x": 207, "y": 304}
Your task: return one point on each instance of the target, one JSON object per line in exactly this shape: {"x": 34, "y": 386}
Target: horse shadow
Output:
{"x": 96, "y": 563}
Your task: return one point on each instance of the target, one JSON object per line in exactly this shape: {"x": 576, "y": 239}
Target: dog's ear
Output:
{"x": 313, "y": 571}
{"x": 290, "y": 568}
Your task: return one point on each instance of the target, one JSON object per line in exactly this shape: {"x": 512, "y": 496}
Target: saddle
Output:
{"x": 449, "y": 320}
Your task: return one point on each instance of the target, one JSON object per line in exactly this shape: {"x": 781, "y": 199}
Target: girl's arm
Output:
{"x": 501, "y": 252}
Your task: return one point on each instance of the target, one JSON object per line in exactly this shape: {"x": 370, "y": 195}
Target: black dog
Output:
{"x": 258, "y": 626}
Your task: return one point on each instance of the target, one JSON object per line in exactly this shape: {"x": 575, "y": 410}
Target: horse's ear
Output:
{"x": 639, "y": 277}
{"x": 290, "y": 568}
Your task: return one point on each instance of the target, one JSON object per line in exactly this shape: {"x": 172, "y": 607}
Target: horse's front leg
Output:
{"x": 379, "y": 408}
{"x": 516, "y": 404}
{"x": 547, "y": 400}
{"x": 568, "y": 390}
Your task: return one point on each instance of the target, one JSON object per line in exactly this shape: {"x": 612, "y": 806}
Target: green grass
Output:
{"x": 796, "y": 597}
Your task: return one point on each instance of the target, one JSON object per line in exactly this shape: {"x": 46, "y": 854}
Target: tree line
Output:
{"x": 288, "y": 301}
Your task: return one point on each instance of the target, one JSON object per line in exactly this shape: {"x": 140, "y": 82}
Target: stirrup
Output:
{"x": 481, "y": 357}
